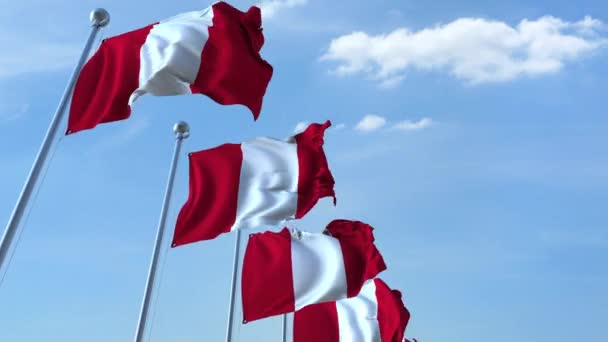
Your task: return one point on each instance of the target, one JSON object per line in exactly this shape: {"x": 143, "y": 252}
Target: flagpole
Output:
{"x": 99, "y": 18}
{"x": 284, "y": 327}
{"x": 235, "y": 266}
{"x": 182, "y": 131}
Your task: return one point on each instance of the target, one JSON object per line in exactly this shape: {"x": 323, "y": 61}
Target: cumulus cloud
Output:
{"x": 407, "y": 125}
{"x": 370, "y": 123}
{"x": 271, "y": 7}
{"x": 474, "y": 50}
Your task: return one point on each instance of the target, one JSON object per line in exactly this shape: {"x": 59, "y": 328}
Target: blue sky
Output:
{"x": 471, "y": 134}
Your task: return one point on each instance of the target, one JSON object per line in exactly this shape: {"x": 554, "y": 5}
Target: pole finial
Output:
{"x": 99, "y": 17}
{"x": 181, "y": 130}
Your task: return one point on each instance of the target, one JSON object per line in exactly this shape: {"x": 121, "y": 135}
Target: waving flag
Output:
{"x": 214, "y": 52}
{"x": 260, "y": 182}
{"x": 377, "y": 314}
{"x": 282, "y": 273}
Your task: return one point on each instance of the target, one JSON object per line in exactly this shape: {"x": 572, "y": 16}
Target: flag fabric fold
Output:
{"x": 214, "y": 52}
{"x": 376, "y": 314}
{"x": 260, "y": 182}
{"x": 283, "y": 273}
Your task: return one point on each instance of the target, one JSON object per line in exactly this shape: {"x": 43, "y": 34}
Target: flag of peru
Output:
{"x": 377, "y": 314}
{"x": 214, "y": 52}
{"x": 260, "y": 182}
{"x": 283, "y": 273}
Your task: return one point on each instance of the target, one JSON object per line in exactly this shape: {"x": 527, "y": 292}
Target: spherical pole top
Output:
{"x": 181, "y": 130}
{"x": 99, "y": 17}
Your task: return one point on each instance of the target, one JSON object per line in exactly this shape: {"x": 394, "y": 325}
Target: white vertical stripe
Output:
{"x": 358, "y": 316}
{"x": 318, "y": 269}
{"x": 268, "y": 186}
{"x": 171, "y": 55}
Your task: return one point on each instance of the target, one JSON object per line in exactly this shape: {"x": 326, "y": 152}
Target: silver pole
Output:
{"x": 235, "y": 266}
{"x": 284, "y": 327}
{"x": 99, "y": 18}
{"x": 182, "y": 131}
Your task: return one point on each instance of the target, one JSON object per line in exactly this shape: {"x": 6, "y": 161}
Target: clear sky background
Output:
{"x": 471, "y": 134}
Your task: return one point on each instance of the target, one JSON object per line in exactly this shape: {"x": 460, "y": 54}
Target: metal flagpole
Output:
{"x": 99, "y": 18}
{"x": 284, "y": 327}
{"x": 235, "y": 267}
{"x": 182, "y": 131}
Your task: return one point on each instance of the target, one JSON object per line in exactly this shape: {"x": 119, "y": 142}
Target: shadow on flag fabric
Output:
{"x": 283, "y": 273}
{"x": 214, "y": 52}
{"x": 261, "y": 182}
{"x": 376, "y": 314}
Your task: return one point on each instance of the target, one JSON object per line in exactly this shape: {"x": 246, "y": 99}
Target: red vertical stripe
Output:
{"x": 316, "y": 323}
{"x": 232, "y": 70}
{"x": 315, "y": 181}
{"x": 212, "y": 203}
{"x": 392, "y": 314}
{"x": 267, "y": 281}
{"x": 362, "y": 260}
{"x": 107, "y": 81}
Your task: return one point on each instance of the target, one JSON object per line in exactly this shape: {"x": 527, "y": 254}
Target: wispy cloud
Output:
{"x": 370, "y": 123}
{"x": 271, "y": 7}
{"x": 407, "y": 125}
{"x": 132, "y": 130}
{"x": 474, "y": 50}
{"x": 28, "y": 55}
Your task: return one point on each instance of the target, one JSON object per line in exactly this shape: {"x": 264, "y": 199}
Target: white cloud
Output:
{"x": 474, "y": 50}
{"x": 300, "y": 127}
{"x": 271, "y": 7}
{"x": 407, "y": 125}
{"x": 370, "y": 123}
{"x": 590, "y": 26}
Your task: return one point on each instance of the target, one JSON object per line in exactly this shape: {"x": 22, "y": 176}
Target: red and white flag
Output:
{"x": 283, "y": 273}
{"x": 261, "y": 182}
{"x": 377, "y": 314}
{"x": 214, "y": 52}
